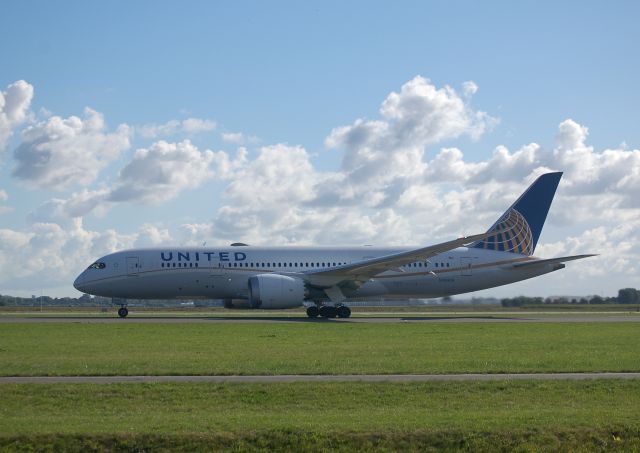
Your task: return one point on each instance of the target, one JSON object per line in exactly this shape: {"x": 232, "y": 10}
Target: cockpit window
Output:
{"x": 97, "y": 265}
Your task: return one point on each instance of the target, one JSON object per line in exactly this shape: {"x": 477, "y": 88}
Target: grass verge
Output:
{"x": 133, "y": 348}
{"x": 489, "y": 416}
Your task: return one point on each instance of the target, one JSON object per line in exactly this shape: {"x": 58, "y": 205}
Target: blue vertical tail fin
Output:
{"x": 520, "y": 226}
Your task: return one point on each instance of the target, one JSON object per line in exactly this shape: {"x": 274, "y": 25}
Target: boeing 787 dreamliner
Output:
{"x": 326, "y": 277}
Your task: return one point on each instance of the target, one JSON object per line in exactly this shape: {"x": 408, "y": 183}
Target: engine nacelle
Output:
{"x": 271, "y": 291}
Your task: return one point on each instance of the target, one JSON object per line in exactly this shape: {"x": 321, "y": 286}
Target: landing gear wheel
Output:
{"x": 328, "y": 311}
{"x": 123, "y": 312}
{"x": 313, "y": 312}
{"x": 343, "y": 311}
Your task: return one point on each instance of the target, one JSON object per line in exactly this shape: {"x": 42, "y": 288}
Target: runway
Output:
{"x": 373, "y": 318}
{"x": 317, "y": 378}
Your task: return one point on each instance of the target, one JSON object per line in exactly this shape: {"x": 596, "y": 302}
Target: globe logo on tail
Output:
{"x": 512, "y": 234}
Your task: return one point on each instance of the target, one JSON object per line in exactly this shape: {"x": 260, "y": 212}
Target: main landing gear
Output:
{"x": 329, "y": 311}
{"x": 123, "y": 312}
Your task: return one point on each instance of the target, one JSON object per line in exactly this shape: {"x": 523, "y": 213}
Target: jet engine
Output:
{"x": 271, "y": 291}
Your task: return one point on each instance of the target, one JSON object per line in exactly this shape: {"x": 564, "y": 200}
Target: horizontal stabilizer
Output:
{"x": 561, "y": 259}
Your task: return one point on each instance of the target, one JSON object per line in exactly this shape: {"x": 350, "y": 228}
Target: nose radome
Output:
{"x": 78, "y": 283}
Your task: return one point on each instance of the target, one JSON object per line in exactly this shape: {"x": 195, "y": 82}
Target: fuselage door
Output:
{"x": 133, "y": 265}
{"x": 465, "y": 266}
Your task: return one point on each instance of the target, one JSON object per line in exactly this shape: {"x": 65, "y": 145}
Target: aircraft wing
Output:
{"x": 364, "y": 270}
{"x": 558, "y": 260}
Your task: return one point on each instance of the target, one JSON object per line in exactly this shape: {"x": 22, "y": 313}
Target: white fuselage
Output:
{"x": 223, "y": 273}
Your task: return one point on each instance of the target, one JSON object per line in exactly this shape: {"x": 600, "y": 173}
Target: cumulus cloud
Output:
{"x": 189, "y": 126}
{"x": 388, "y": 190}
{"x": 152, "y": 235}
{"x": 63, "y": 152}
{"x": 14, "y": 108}
{"x": 55, "y": 253}
{"x": 153, "y": 175}
{"x": 164, "y": 169}
{"x": 382, "y": 156}
{"x": 418, "y": 116}
{"x": 239, "y": 138}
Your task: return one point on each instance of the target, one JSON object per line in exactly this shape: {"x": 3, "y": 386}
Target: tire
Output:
{"x": 343, "y": 311}
{"x": 313, "y": 312}
{"x": 328, "y": 311}
{"x": 123, "y": 312}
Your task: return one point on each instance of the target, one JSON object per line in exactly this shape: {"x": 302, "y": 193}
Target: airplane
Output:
{"x": 326, "y": 278}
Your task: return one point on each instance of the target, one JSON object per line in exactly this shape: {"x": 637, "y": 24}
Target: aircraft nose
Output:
{"x": 79, "y": 283}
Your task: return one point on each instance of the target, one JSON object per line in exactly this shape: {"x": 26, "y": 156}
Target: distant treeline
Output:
{"x": 625, "y": 296}
{"x": 91, "y": 301}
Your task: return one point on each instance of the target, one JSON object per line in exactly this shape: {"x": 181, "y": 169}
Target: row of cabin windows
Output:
{"x": 257, "y": 264}
{"x": 290, "y": 264}
{"x": 425, "y": 265}
{"x": 179, "y": 264}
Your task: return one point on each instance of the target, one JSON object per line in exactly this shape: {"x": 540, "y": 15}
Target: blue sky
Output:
{"x": 284, "y": 75}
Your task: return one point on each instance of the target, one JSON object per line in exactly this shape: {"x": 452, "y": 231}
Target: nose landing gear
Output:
{"x": 329, "y": 311}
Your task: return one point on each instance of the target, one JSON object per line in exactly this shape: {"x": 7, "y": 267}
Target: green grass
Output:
{"x": 315, "y": 348}
{"x": 489, "y": 416}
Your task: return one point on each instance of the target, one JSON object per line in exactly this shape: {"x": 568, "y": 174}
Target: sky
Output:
{"x": 130, "y": 124}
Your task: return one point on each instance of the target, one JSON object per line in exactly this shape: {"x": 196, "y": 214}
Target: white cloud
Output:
{"x": 383, "y": 156}
{"x": 189, "y": 126}
{"x": 387, "y": 190}
{"x": 14, "y": 107}
{"x": 161, "y": 171}
{"x": 239, "y": 138}
{"x": 153, "y": 175}
{"x": 469, "y": 88}
{"x": 233, "y": 137}
{"x": 4, "y": 197}
{"x": 152, "y": 235}
{"x": 196, "y": 125}
{"x": 55, "y": 253}
{"x": 64, "y": 152}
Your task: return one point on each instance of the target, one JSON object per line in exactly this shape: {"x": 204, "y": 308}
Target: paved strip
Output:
{"x": 317, "y": 378}
{"x": 551, "y": 318}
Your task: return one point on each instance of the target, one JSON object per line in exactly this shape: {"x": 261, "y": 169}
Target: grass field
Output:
{"x": 315, "y": 348}
{"x": 490, "y": 416}
{"x": 429, "y": 416}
